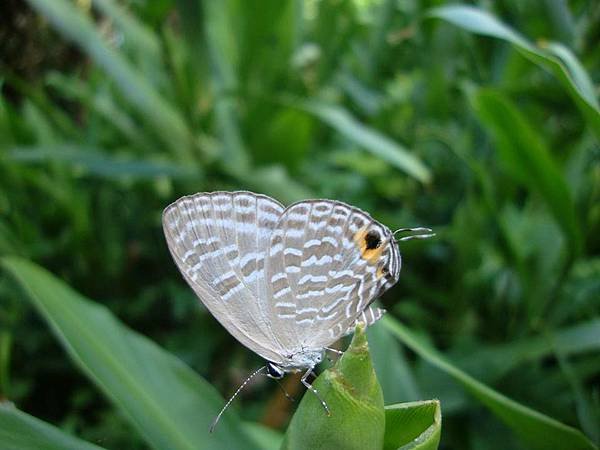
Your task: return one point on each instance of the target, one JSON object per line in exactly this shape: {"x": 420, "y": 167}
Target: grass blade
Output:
{"x": 97, "y": 162}
{"x": 495, "y": 362}
{"x": 170, "y": 405}
{"x": 526, "y": 156}
{"x": 136, "y": 34}
{"x": 535, "y": 429}
{"x": 368, "y": 138}
{"x": 76, "y": 26}
{"x": 566, "y": 68}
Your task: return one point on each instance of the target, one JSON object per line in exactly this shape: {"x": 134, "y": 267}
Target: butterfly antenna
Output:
{"x": 421, "y": 233}
{"x": 214, "y": 424}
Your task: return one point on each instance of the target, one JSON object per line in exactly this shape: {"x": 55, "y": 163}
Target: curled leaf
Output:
{"x": 413, "y": 425}
{"x": 355, "y": 400}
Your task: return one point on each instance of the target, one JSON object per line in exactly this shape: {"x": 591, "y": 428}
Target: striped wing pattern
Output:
{"x": 281, "y": 280}
{"x": 320, "y": 273}
{"x": 368, "y": 317}
{"x": 219, "y": 241}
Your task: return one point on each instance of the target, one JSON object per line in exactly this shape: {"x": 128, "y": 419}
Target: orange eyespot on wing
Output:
{"x": 370, "y": 244}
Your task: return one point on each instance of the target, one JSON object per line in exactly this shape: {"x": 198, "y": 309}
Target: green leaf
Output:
{"x": 414, "y": 425}
{"x": 224, "y": 60}
{"x": 136, "y": 34}
{"x": 20, "y": 431}
{"x": 495, "y": 362}
{"x": 559, "y": 60}
{"x": 525, "y": 154}
{"x": 355, "y": 400}
{"x": 102, "y": 102}
{"x": 266, "y": 438}
{"x": 97, "y": 162}
{"x": 275, "y": 181}
{"x": 168, "y": 403}
{"x": 393, "y": 370}
{"x": 366, "y": 137}
{"x": 73, "y": 24}
{"x": 535, "y": 429}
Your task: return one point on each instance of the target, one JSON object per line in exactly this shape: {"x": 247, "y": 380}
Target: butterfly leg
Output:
{"x": 314, "y": 391}
{"x": 335, "y": 350}
{"x": 288, "y": 396}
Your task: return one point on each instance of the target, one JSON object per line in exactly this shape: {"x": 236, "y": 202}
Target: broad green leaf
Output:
{"x": 414, "y": 425}
{"x": 535, "y": 429}
{"x": 20, "y": 431}
{"x": 525, "y": 154}
{"x": 168, "y": 403}
{"x": 369, "y": 139}
{"x": 559, "y": 60}
{"x": 76, "y": 26}
{"x": 355, "y": 400}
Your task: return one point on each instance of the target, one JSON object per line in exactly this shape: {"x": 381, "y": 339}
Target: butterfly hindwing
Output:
{"x": 327, "y": 262}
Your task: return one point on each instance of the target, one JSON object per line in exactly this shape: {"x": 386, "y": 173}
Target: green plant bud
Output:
{"x": 355, "y": 399}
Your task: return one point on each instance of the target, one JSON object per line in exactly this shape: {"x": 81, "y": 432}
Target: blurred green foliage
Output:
{"x": 111, "y": 110}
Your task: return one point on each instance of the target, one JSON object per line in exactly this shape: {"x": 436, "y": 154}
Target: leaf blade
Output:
{"x": 368, "y": 138}
{"x": 537, "y": 430}
{"x": 77, "y": 27}
{"x": 166, "y": 401}
{"x": 20, "y": 431}
{"x": 525, "y": 154}
{"x": 413, "y": 425}
{"x": 480, "y": 22}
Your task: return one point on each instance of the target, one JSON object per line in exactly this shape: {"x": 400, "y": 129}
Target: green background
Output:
{"x": 480, "y": 121}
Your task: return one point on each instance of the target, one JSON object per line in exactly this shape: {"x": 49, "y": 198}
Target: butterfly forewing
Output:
{"x": 220, "y": 241}
{"x": 327, "y": 262}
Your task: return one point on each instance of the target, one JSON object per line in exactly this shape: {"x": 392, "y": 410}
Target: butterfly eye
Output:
{"x": 274, "y": 371}
{"x": 372, "y": 240}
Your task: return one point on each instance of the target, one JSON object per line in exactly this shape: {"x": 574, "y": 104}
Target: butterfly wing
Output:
{"x": 219, "y": 241}
{"x": 367, "y": 318}
{"x": 327, "y": 262}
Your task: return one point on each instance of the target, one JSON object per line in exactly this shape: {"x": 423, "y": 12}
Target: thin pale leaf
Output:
{"x": 97, "y": 162}
{"x": 371, "y": 140}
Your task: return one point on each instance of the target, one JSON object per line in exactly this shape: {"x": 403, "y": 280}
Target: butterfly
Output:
{"x": 286, "y": 282}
